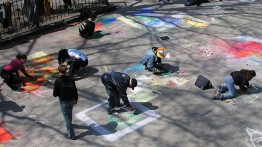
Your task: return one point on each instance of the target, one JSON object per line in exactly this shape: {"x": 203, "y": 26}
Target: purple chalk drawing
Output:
{"x": 134, "y": 68}
{"x": 144, "y": 12}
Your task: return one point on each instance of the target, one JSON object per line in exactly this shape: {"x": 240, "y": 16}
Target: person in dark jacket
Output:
{"x": 65, "y": 89}
{"x": 239, "y": 78}
{"x": 7, "y": 73}
{"x": 73, "y": 57}
{"x": 116, "y": 84}
{"x": 87, "y": 27}
{"x": 152, "y": 60}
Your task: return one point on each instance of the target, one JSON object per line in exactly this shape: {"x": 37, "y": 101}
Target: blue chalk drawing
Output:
{"x": 248, "y": 38}
{"x": 134, "y": 68}
{"x": 107, "y": 20}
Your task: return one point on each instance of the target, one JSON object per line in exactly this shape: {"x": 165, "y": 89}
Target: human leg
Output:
{"x": 67, "y": 108}
{"x": 9, "y": 79}
{"x": 229, "y": 81}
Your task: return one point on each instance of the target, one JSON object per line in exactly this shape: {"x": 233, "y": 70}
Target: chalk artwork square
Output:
{"x": 104, "y": 130}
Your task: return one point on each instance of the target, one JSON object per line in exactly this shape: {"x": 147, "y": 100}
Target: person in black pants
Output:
{"x": 116, "y": 84}
{"x": 10, "y": 72}
{"x": 87, "y": 27}
{"x": 66, "y": 91}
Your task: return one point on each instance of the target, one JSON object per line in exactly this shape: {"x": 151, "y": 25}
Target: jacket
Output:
{"x": 150, "y": 59}
{"x": 57, "y": 88}
{"x": 240, "y": 80}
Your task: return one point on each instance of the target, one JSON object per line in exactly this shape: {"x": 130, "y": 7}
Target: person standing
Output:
{"x": 152, "y": 60}
{"x": 87, "y": 27}
{"x": 116, "y": 84}
{"x": 7, "y": 73}
{"x": 66, "y": 91}
{"x": 74, "y": 58}
{"x": 239, "y": 78}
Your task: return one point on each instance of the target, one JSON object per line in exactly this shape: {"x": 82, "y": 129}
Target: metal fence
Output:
{"x": 19, "y": 16}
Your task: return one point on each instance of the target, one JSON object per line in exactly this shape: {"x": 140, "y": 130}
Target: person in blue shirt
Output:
{"x": 116, "y": 84}
{"x": 74, "y": 58}
{"x": 152, "y": 60}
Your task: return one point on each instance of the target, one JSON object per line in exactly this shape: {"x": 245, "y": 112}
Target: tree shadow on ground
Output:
{"x": 10, "y": 105}
{"x": 86, "y": 72}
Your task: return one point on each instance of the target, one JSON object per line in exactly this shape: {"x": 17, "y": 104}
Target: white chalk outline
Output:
{"x": 114, "y": 136}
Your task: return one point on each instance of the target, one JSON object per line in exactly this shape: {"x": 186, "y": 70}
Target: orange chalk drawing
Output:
{"x": 40, "y": 70}
{"x": 4, "y": 135}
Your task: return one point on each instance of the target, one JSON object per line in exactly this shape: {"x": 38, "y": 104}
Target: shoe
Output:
{"x": 131, "y": 108}
{"x": 161, "y": 2}
{"x": 118, "y": 106}
{"x": 216, "y": 97}
{"x": 219, "y": 89}
{"x": 110, "y": 110}
{"x": 74, "y": 138}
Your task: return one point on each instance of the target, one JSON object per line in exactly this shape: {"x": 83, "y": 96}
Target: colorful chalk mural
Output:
{"x": 242, "y": 47}
{"x": 124, "y": 119}
{"x": 4, "y": 135}
{"x": 148, "y": 20}
{"x": 147, "y": 86}
{"x": 134, "y": 68}
{"x": 38, "y": 66}
{"x": 104, "y": 21}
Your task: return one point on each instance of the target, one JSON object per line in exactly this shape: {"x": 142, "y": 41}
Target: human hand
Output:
{"x": 76, "y": 102}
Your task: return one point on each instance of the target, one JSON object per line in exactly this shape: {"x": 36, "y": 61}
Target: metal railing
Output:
{"x": 19, "y": 16}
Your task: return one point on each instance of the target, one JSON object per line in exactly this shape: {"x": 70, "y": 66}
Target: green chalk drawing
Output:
{"x": 55, "y": 75}
{"x": 167, "y": 74}
{"x": 124, "y": 119}
{"x": 38, "y": 74}
{"x": 144, "y": 95}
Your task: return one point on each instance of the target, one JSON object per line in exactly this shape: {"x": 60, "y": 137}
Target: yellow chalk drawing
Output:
{"x": 195, "y": 23}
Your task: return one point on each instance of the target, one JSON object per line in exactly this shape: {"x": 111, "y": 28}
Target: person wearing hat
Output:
{"x": 152, "y": 60}
{"x": 116, "y": 84}
{"x": 239, "y": 78}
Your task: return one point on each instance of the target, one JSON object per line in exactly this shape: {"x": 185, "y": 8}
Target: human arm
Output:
{"x": 244, "y": 85}
{"x": 56, "y": 89}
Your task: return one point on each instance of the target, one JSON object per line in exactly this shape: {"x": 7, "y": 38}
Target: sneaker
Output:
{"x": 110, "y": 110}
{"x": 131, "y": 108}
{"x": 161, "y": 2}
{"x": 74, "y": 138}
{"x": 219, "y": 89}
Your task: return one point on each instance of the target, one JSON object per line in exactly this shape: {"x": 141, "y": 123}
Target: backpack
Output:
{"x": 68, "y": 90}
{"x": 203, "y": 83}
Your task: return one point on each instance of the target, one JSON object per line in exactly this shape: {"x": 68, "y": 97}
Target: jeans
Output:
{"x": 75, "y": 65}
{"x": 66, "y": 108}
{"x": 113, "y": 99}
{"x": 228, "y": 86}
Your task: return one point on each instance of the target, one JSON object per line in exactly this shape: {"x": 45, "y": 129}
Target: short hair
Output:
{"x": 62, "y": 69}
{"x": 21, "y": 56}
{"x": 93, "y": 15}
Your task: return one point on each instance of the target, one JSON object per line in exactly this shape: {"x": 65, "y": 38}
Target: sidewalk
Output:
{"x": 170, "y": 109}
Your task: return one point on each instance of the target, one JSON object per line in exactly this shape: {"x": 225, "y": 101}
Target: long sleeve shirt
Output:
{"x": 15, "y": 66}
{"x": 149, "y": 59}
{"x": 240, "y": 80}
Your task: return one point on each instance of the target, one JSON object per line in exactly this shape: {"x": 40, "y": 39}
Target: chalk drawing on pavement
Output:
{"x": 112, "y": 136}
{"x": 40, "y": 66}
{"x": 124, "y": 119}
{"x": 148, "y": 20}
{"x": 254, "y": 138}
{"x": 134, "y": 68}
{"x": 4, "y": 135}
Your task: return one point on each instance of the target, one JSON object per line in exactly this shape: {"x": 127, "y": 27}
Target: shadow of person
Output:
{"x": 171, "y": 68}
{"x": 10, "y": 105}
{"x": 148, "y": 105}
{"x": 109, "y": 128}
{"x": 86, "y": 72}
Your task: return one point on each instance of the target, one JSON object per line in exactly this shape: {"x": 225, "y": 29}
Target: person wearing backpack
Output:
{"x": 116, "y": 84}
{"x": 152, "y": 60}
{"x": 73, "y": 57}
{"x": 87, "y": 27}
{"x": 65, "y": 90}
{"x": 239, "y": 78}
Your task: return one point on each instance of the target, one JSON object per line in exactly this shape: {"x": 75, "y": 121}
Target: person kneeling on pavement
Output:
{"x": 152, "y": 60}
{"x": 239, "y": 78}
{"x": 87, "y": 27}
{"x": 73, "y": 57}
{"x": 13, "y": 80}
{"x": 116, "y": 84}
